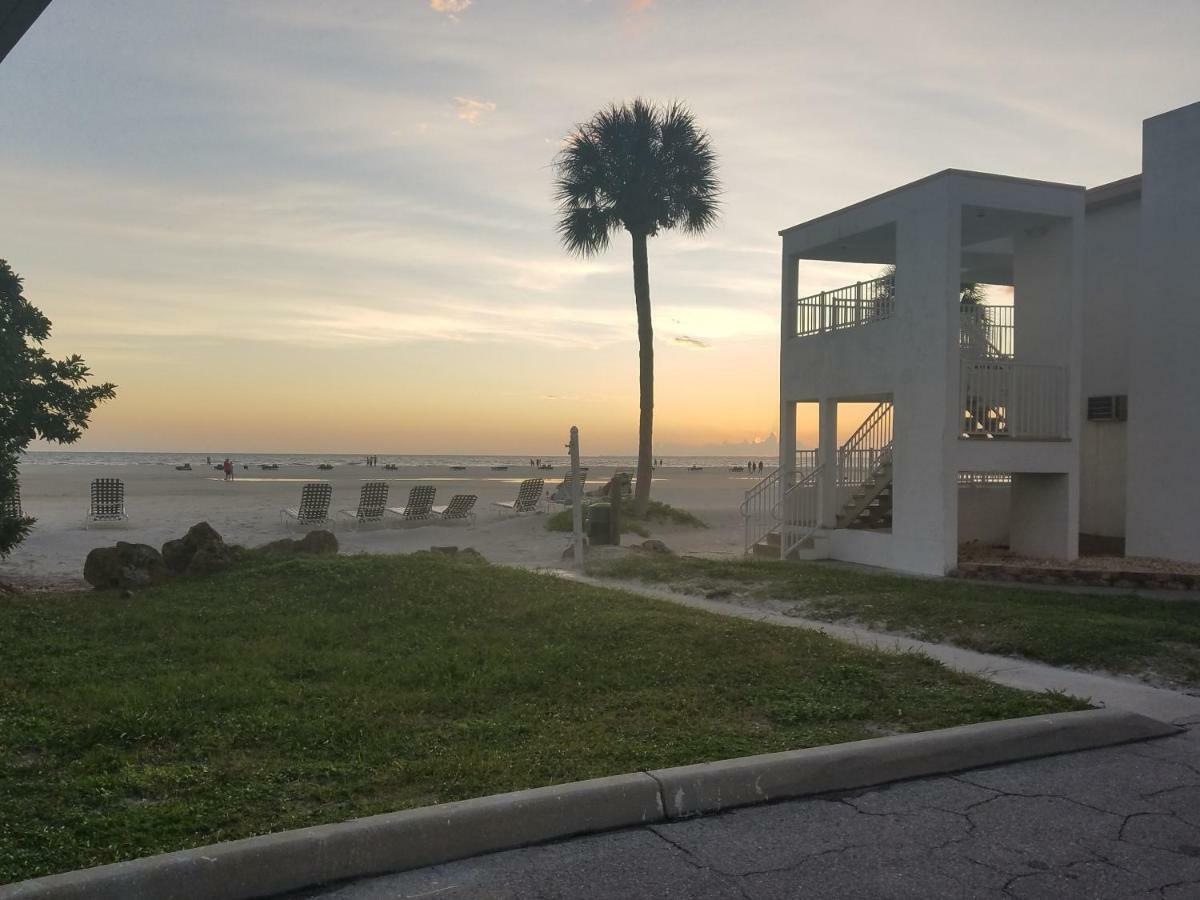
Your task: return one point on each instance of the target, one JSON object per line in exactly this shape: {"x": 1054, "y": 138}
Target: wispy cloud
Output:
{"x": 449, "y": 7}
{"x": 695, "y": 343}
{"x": 472, "y": 110}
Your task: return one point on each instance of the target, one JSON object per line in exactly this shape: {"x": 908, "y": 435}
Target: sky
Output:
{"x": 329, "y": 226}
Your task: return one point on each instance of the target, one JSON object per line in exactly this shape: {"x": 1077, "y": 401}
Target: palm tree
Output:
{"x": 644, "y": 168}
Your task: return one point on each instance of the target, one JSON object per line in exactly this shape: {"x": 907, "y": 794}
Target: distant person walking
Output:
{"x": 227, "y": 468}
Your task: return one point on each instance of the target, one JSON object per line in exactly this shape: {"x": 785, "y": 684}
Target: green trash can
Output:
{"x": 599, "y": 528}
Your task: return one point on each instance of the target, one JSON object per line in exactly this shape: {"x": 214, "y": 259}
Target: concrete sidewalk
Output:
{"x": 1102, "y": 690}
{"x": 1121, "y": 822}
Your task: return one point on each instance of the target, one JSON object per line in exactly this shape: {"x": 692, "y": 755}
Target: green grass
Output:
{"x": 657, "y": 513}
{"x": 1156, "y": 638}
{"x": 291, "y": 692}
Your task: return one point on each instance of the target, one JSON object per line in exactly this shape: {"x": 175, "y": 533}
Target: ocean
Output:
{"x": 116, "y": 458}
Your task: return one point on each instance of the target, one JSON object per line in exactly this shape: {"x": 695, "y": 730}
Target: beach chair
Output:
{"x": 313, "y": 510}
{"x": 624, "y": 483}
{"x": 108, "y": 501}
{"x": 529, "y": 494}
{"x": 562, "y": 494}
{"x": 419, "y": 506}
{"x": 371, "y": 502}
{"x": 460, "y": 509}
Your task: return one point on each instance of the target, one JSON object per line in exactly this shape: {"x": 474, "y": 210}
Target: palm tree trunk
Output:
{"x": 641, "y": 294}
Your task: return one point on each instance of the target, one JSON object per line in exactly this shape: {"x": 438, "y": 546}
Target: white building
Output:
{"x": 1071, "y": 411}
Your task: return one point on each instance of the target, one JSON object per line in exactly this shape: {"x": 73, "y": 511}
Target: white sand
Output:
{"x": 162, "y": 504}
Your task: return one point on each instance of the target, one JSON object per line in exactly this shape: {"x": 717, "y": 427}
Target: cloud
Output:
{"x": 470, "y": 110}
{"x": 695, "y": 343}
{"x": 450, "y": 7}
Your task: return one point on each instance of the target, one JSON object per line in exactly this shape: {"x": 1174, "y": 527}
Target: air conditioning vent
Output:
{"x": 1107, "y": 408}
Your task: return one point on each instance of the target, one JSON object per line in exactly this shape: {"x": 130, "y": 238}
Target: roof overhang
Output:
{"x": 16, "y": 17}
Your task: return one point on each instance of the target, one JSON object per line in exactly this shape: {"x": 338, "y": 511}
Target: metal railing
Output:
{"x": 1004, "y": 398}
{"x": 983, "y": 479}
{"x": 759, "y": 508}
{"x": 864, "y": 450}
{"x": 985, "y": 331}
{"x": 806, "y": 461}
{"x": 847, "y": 307}
{"x": 798, "y": 512}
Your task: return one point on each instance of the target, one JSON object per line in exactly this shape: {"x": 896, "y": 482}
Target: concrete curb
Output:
{"x": 291, "y": 860}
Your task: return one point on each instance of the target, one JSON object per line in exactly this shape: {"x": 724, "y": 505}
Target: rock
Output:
{"x": 178, "y": 554}
{"x": 318, "y": 542}
{"x": 124, "y": 566}
{"x": 444, "y": 551}
{"x": 315, "y": 542}
{"x": 655, "y": 546}
{"x": 209, "y": 560}
{"x": 472, "y": 555}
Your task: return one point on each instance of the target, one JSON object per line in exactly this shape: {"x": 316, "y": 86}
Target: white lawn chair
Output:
{"x": 528, "y": 497}
{"x": 419, "y": 506}
{"x": 313, "y": 510}
{"x": 460, "y": 509}
{"x": 108, "y": 502}
{"x": 371, "y": 502}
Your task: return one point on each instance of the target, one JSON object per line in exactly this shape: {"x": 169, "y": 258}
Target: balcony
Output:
{"x": 1002, "y": 398}
{"x": 847, "y": 307}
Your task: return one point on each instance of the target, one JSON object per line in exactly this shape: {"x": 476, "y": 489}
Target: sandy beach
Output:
{"x": 162, "y": 503}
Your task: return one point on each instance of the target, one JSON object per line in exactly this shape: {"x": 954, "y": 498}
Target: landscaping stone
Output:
{"x": 179, "y": 553}
{"x": 124, "y": 566}
{"x": 655, "y": 546}
{"x": 314, "y": 543}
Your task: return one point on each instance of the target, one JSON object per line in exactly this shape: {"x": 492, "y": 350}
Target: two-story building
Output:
{"x": 1067, "y": 408}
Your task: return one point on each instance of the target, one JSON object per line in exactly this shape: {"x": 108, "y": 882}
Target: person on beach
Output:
{"x": 227, "y": 467}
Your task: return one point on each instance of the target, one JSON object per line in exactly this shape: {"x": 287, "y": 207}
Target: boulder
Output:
{"x": 318, "y": 542}
{"x": 444, "y": 551}
{"x": 209, "y": 560}
{"x": 178, "y": 554}
{"x": 655, "y": 546}
{"x": 315, "y": 542}
{"x": 472, "y": 555}
{"x": 124, "y": 566}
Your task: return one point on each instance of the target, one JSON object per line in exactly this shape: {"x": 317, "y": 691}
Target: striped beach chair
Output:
{"x": 460, "y": 509}
{"x": 562, "y": 494}
{"x": 108, "y": 502}
{"x": 372, "y": 500}
{"x": 313, "y": 510}
{"x": 529, "y": 494}
{"x": 419, "y": 506}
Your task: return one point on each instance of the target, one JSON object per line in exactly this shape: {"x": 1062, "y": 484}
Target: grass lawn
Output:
{"x": 292, "y": 692}
{"x": 1156, "y": 638}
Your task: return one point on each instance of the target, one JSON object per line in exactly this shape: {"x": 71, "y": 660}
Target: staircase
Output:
{"x": 781, "y": 520}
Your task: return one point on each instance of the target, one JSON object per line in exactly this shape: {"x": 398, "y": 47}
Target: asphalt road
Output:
{"x": 1122, "y": 822}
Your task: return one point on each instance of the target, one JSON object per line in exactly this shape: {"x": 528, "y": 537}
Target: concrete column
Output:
{"x": 1041, "y": 519}
{"x": 827, "y": 447}
{"x": 787, "y": 440}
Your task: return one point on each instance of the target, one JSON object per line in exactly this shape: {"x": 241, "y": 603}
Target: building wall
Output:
{"x": 1163, "y": 498}
{"x": 1111, "y": 279}
{"x": 983, "y": 513}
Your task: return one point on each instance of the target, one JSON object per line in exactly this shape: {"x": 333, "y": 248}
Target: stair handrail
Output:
{"x": 759, "y": 508}
{"x": 871, "y": 441}
{"x": 799, "y": 506}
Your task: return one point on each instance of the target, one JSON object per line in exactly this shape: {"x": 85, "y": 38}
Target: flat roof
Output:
{"x": 15, "y": 18}
{"x": 944, "y": 173}
{"x": 1121, "y": 191}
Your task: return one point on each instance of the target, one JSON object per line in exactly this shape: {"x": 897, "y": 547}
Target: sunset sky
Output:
{"x": 329, "y": 226}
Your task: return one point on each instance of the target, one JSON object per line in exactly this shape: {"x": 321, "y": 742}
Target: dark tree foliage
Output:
{"x": 643, "y": 168}
{"x": 40, "y": 397}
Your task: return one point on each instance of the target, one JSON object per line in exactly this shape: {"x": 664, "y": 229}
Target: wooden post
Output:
{"x": 576, "y": 497}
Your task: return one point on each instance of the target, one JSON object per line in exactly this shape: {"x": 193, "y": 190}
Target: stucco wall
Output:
{"x": 1102, "y": 478}
{"x": 1163, "y": 496}
{"x": 983, "y": 513}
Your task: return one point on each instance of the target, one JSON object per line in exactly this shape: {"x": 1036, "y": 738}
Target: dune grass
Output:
{"x": 1157, "y": 638}
{"x": 657, "y": 513}
{"x": 292, "y": 692}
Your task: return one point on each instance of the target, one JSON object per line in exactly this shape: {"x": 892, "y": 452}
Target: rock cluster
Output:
{"x": 199, "y": 552}
{"x": 468, "y": 553}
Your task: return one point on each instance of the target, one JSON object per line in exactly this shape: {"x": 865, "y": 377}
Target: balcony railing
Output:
{"x": 847, "y": 307}
{"x": 1004, "y": 398}
{"x": 985, "y": 331}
